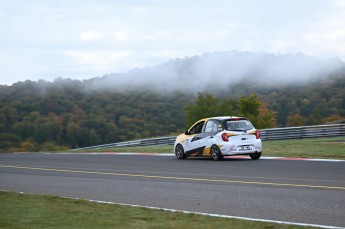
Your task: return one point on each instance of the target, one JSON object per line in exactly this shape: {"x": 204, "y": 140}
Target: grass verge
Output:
{"x": 330, "y": 148}
{"x": 41, "y": 211}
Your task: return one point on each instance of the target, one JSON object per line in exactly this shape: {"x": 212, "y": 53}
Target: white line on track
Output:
{"x": 202, "y": 213}
{"x": 234, "y": 157}
{"x": 221, "y": 216}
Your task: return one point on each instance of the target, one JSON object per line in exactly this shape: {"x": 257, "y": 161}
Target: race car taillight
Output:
{"x": 225, "y": 137}
{"x": 257, "y": 134}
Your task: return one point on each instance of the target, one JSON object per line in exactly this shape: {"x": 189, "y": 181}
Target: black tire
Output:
{"x": 179, "y": 152}
{"x": 255, "y": 156}
{"x": 215, "y": 153}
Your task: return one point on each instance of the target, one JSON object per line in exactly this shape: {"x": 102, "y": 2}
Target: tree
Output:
{"x": 28, "y": 146}
{"x": 333, "y": 119}
{"x": 249, "y": 106}
{"x": 315, "y": 117}
{"x": 73, "y": 134}
{"x": 94, "y": 138}
{"x": 230, "y": 107}
{"x": 266, "y": 117}
{"x": 206, "y": 105}
{"x": 295, "y": 120}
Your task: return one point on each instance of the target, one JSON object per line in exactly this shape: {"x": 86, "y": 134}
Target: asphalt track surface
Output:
{"x": 311, "y": 192}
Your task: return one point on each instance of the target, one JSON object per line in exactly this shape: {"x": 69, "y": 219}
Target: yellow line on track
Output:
{"x": 174, "y": 178}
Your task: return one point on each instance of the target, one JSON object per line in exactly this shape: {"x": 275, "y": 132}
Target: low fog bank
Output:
{"x": 223, "y": 70}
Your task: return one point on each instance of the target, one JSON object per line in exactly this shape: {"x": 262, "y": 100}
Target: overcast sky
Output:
{"x": 82, "y": 39}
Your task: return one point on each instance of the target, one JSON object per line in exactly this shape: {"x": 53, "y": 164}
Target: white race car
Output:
{"x": 218, "y": 137}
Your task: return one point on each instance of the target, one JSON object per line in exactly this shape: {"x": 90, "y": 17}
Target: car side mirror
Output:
{"x": 186, "y": 132}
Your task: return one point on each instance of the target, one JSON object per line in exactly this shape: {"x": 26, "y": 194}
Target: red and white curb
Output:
{"x": 229, "y": 157}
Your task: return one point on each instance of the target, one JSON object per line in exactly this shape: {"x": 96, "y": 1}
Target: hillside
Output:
{"x": 46, "y": 115}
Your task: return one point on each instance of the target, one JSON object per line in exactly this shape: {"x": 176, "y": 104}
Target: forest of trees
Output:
{"x": 44, "y": 116}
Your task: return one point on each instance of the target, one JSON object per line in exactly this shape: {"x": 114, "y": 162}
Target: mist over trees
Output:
{"x": 44, "y": 116}
{"x": 222, "y": 71}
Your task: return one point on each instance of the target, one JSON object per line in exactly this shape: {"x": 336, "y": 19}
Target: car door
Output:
{"x": 192, "y": 144}
{"x": 206, "y": 138}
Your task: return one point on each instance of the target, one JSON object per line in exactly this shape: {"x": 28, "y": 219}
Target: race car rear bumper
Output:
{"x": 243, "y": 149}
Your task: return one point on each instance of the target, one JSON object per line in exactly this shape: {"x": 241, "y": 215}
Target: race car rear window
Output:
{"x": 238, "y": 125}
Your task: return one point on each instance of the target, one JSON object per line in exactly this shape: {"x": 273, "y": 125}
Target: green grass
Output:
{"x": 331, "y": 148}
{"x": 39, "y": 211}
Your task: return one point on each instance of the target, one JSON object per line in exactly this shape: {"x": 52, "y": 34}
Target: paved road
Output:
{"x": 295, "y": 191}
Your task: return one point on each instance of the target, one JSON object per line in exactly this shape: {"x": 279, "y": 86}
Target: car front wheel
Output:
{"x": 179, "y": 152}
{"x": 215, "y": 153}
{"x": 255, "y": 156}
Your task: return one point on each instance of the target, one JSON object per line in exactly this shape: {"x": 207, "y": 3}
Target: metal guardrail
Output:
{"x": 141, "y": 142}
{"x": 266, "y": 135}
{"x": 303, "y": 132}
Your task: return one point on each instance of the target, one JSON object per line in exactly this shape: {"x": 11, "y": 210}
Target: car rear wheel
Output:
{"x": 215, "y": 153}
{"x": 255, "y": 156}
{"x": 179, "y": 152}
